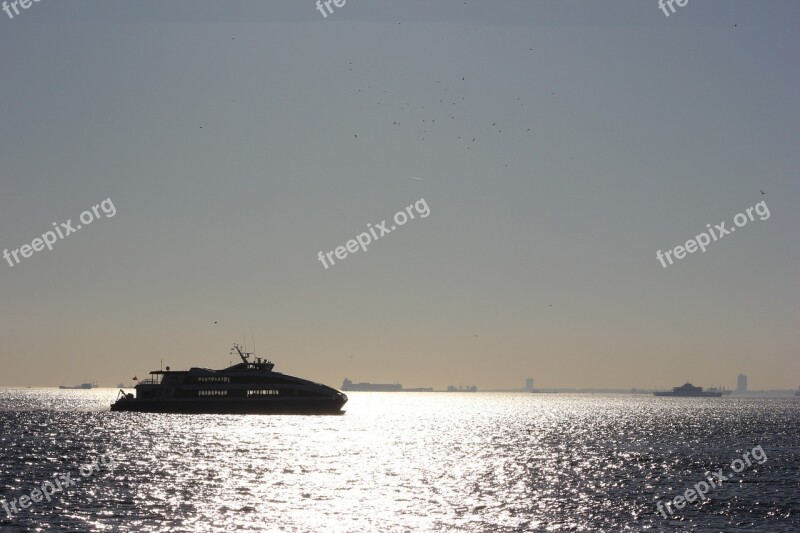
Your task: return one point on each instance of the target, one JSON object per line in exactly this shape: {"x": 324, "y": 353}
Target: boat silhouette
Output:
{"x": 247, "y": 387}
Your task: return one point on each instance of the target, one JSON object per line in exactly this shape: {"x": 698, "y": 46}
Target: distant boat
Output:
{"x": 471, "y": 388}
{"x": 348, "y": 385}
{"x": 82, "y": 386}
{"x": 723, "y": 390}
{"x": 687, "y": 390}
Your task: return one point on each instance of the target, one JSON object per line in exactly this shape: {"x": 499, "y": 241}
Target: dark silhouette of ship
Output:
{"x": 82, "y": 386}
{"x": 687, "y": 390}
{"x": 469, "y": 388}
{"x": 723, "y": 390}
{"x": 348, "y": 385}
{"x": 247, "y": 387}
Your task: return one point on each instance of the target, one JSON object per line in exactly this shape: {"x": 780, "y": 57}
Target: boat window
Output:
{"x": 213, "y": 379}
{"x": 263, "y": 392}
{"x": 212, "y": 393}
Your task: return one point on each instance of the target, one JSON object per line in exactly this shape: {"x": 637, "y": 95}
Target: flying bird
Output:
{"x": 762, "y": 192}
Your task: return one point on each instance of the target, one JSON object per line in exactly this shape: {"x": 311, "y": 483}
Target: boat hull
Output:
{"x": 272, "y": 406}
{"x": 701, "y": 395}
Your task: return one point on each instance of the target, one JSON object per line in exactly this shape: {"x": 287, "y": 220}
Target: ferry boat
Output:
{"x": 247, "y": 387}
{"x": 687, "y": 390}
{"x": 82, "y": 386}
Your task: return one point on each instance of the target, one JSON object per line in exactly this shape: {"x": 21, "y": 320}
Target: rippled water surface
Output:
{"x": 403, "y": 462}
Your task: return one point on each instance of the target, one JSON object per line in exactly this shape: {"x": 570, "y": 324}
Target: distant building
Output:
{"x": 741, "y": 384}
{"x": 529, "y": 384}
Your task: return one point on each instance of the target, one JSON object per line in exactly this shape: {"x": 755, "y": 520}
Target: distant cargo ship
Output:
{"x": 723, "y": 390}
{"x": 471, "y": 388}
{"x": 348, "y": 385}
{"x": 687, "y": 390}
{"x": 82, "y": 386}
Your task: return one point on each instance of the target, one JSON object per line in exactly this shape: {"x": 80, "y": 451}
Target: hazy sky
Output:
{"x": 224, "y": 134}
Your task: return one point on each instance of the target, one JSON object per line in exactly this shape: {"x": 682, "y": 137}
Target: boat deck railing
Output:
{"x": 150, "y": 381}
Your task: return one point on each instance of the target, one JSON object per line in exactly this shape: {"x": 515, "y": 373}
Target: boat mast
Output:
{"x": 244, "y": 355}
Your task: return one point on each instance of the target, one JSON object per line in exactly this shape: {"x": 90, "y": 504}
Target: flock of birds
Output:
{"x": 426, "y": 125}
{"x": 442, "y": 116}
